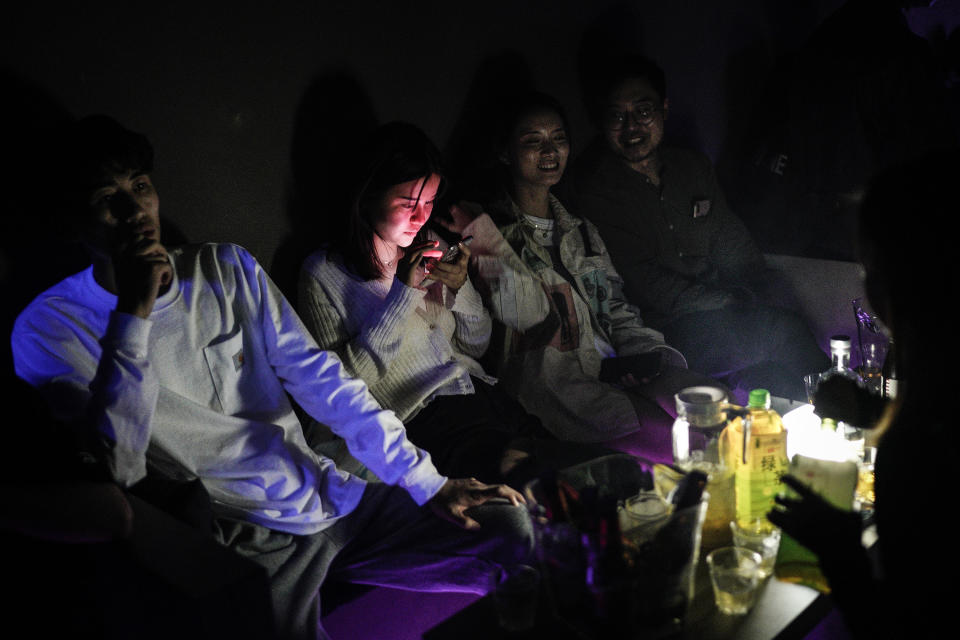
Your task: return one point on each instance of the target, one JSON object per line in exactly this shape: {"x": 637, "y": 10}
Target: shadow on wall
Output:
{"x": 32, "y": 256}
{"x": 470, "y": 153}
{"x": 334, "y": 113}
{"x": 37, "y": 250}
{"x": 616, "y": 32}
{"x": 861, "y": 92}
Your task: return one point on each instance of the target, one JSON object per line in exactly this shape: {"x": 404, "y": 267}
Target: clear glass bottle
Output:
{"x": 840, "y": 348}
{"x": 840, "y": 366}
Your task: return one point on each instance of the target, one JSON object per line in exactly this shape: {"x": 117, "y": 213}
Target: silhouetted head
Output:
{"x": 909, "y": 256}
{"x": 395, "y": 154}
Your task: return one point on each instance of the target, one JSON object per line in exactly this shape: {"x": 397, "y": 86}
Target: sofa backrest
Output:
{"x": 822, "y": 291}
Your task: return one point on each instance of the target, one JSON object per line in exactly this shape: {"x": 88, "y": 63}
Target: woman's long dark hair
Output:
{"x": 395, "y": 153}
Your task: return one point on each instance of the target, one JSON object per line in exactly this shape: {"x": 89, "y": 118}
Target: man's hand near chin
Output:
{"x": 142, "y": 270}
{"x": 458, "y": 495}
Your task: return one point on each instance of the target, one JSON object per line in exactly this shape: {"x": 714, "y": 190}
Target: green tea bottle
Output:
{"x": 756, "y": 448}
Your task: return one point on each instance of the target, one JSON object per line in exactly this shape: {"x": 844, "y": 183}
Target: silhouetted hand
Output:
{"x": 458, "y": 495}
{"x": 141, "y": 270}
{"x": 815, "y": 523}
{"x": 843, "y": 399}
{"x": 409, "y": 271}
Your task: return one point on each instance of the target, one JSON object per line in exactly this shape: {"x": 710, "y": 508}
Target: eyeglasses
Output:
{"x": 641, "y": 115}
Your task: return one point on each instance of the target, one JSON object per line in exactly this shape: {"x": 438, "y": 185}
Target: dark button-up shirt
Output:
{"x": 678, "y": 246}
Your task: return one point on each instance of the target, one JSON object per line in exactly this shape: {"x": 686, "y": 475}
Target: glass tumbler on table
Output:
{"x": 515, "y": 596}
{"x": 761, "y": 537}
{"x": 864, "y": 495}
{"x": 735, "y": 575}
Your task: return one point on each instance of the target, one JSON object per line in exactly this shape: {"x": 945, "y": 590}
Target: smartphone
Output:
{"x": 641, "y": 365}
{"x": 450, "y": 255}
{"x": 453, "y": 252}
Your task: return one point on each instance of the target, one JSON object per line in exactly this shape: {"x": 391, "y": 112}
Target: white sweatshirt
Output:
{"x": 199, "y": 390}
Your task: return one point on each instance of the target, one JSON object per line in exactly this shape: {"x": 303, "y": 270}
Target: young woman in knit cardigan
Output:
{"x": 412, "y": 326}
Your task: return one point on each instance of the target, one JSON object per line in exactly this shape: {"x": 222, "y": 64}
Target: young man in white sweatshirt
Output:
{"x": 179, "y": 362}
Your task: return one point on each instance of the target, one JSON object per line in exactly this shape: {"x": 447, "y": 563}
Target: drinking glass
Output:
{"x": 810, "y": 382}
{"x": 515, "y": 596}
{"x": 864, "y": 495}
{"x": 759, "y": 536}
{"x": 735, "y": 575}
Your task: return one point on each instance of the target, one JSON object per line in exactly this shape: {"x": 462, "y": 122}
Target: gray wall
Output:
{"x": 216, "y": 86}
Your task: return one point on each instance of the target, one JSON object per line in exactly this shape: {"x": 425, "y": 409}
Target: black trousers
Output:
{"x": 749, "y": 347}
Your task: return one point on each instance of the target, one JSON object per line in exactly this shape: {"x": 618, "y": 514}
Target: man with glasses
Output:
{"x": 687, "y": 261}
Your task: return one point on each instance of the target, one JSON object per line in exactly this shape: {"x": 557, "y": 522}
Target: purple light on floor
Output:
{"x": 830, "y": 628}
{"x": 393, "y": 613}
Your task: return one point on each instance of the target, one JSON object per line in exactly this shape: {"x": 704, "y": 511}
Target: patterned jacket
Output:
{"x": 557, "y": 322}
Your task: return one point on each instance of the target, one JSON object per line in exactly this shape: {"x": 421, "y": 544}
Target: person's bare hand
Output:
{"x": 452, "y": 274}
{"x": 409, "y": 271}
{"x": 141, "y": 270}
{"x": 458, "y": 495}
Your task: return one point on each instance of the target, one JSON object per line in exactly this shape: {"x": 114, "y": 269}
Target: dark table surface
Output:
{"x": 783, "y": 611}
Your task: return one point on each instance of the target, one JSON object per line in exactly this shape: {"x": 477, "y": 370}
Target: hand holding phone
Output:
{"x": 453, "y": 252}
{"x": 448, "y": 268}
{"x": 641, "y": 366}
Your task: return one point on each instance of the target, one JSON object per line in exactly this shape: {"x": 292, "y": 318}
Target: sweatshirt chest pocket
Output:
{"x": 232, "y": 371}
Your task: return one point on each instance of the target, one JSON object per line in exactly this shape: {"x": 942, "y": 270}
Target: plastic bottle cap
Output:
{"x": 759, "y": 399}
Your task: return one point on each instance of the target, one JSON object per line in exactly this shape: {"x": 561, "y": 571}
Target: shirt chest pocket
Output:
{"x": 232, "y": 366}
{"x": 592, "y": 278}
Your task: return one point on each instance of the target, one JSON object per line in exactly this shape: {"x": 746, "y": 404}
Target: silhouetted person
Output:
{"x": 909, "y": 276}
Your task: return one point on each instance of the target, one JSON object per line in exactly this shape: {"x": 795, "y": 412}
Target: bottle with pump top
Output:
{"x": 755, "y": 447}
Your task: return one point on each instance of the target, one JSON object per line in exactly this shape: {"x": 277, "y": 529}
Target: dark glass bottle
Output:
{"x": 607, "y": 575}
